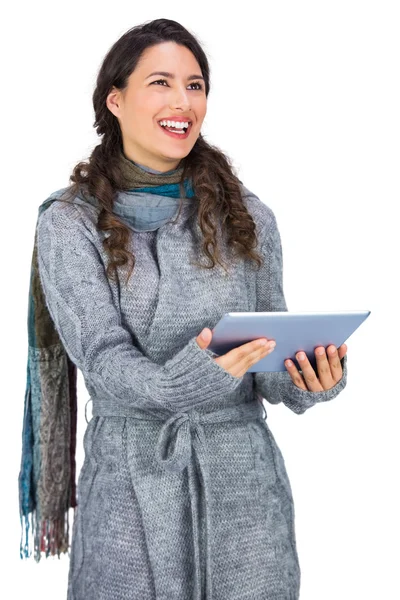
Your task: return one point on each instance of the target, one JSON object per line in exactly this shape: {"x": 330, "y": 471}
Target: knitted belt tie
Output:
{"x": 186, "y": 430}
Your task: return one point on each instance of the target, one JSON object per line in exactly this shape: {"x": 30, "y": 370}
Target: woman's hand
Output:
{"x": 240, "y": 359}
{"x": 329, "y": 369}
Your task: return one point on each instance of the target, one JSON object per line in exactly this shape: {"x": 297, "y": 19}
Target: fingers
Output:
{"x": 342, "y": 351}
{"x": 324, "y": 366}
{"x": 295, "y": 375}
{"x": 329, "y": 369}
{"x": 239, "y": 360}
{"x": 257, "y": 352}
{"x": 308, "y": 380}
{"x": 334, "y": 358}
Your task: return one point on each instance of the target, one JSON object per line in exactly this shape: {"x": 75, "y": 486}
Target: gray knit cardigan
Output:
{"x": 183, "y": 494}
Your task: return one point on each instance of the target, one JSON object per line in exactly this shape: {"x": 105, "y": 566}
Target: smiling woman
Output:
{"x": 158, "y": 72}
{"x": 183, "y": 493}
{"x": 146, "y": 100}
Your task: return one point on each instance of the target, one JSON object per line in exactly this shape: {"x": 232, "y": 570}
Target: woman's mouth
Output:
{"x": 178, "y": 133}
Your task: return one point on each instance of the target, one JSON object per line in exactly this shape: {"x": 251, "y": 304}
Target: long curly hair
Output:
{"x": 215, "y": 185}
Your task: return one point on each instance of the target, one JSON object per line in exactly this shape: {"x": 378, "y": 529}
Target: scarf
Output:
{"x": 47, "y": 477}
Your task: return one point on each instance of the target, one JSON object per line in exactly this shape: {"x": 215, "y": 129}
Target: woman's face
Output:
{"x": 147, "y": 100}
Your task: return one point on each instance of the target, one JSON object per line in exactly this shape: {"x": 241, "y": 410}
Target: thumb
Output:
{"x": 204, "y": 338}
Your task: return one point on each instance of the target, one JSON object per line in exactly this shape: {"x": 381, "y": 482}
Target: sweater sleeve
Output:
{"x": 278, "y": 386}
{"x": 80, "y": 302}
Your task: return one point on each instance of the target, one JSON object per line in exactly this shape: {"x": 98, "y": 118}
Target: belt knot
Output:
{"x": 174, "y": 444}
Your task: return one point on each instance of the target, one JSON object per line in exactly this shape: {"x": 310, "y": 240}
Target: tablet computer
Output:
{"x": 292, "y": 332}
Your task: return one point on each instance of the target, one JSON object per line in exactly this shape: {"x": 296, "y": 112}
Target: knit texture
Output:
{"x": 174, "y": 501}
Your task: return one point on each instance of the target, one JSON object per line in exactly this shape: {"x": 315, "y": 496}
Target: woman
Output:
{"x": 183, "y": 493}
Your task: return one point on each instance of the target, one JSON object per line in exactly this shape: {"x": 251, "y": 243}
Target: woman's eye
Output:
{"x": 194, "y": 83}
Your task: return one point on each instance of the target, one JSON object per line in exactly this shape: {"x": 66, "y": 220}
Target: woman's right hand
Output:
{"x": 240, "y": 359}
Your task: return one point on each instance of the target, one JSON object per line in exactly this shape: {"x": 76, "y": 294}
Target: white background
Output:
{"x": 305, "y": 101}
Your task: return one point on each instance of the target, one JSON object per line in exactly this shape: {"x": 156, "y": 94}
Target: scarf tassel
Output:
{"x": 49, "y": 535}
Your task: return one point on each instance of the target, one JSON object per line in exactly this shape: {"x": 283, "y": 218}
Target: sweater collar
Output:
{"x": 137, "y": 176}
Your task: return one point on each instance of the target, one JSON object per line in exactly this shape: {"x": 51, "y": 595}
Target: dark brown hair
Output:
{"x": 214, "y": 183}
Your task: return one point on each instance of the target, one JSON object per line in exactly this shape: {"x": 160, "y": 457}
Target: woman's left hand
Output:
{"x": 329, "y": 369}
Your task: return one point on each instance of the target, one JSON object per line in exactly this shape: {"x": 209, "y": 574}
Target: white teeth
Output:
{"x": 174, "y": 124}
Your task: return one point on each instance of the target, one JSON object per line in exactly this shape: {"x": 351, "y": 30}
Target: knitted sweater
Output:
{"x": 183, "y": 491}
